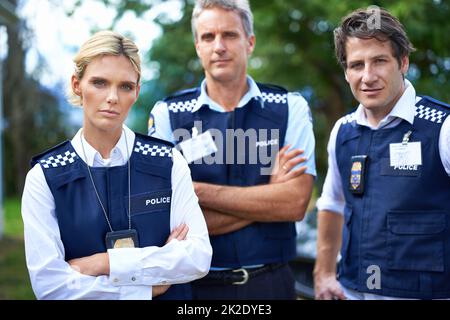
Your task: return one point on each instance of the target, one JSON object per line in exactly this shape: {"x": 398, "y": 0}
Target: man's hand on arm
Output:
{"x": 326, "y": 286}
{"x": 284, "y": 163}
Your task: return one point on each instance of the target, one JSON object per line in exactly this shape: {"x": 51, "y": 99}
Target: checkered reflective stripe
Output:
{"x": 349, "y": 118}
{"x": 59, "y": 160}
{"x": 153, "y": 150}
{"x": 430, "y": 114}
{"x": 274, "y": 97}
{"x": 182, "y": 106}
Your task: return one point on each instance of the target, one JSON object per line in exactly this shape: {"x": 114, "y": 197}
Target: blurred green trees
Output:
{"x": 33, "y": 120}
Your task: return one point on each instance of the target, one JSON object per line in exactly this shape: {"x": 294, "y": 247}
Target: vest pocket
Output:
{"x": 154, "y": 170}
{"x": 415, "y": 240}
{"x": 346, "y": 232}
{"x": 66, "y": 178}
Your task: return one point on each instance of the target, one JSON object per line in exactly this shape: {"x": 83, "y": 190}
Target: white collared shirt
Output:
{"x": 332, "y": 198}
{"x": 299, "y": 132}
{"x": 133, "y": 271}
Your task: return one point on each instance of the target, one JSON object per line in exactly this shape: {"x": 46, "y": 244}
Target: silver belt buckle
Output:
{"x": 245, "y": 272}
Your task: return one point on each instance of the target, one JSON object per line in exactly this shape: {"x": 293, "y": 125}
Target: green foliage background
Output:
{"x": 294, "y": 49}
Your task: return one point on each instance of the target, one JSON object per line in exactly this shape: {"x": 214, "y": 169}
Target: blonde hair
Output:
{"x": 103, "y": 43}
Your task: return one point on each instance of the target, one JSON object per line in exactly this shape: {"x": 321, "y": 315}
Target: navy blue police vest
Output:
{"x": 81, "y": 221}
{"x": 399, "y": 227}
{"x": 258, "y": 243}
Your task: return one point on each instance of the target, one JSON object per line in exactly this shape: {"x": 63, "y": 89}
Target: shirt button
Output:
{"x": 116, "y": 280}
{"x": 133, "y": 278}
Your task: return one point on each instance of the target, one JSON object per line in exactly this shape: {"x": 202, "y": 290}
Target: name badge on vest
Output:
{"x": 200, "y": 146}
{"x": 155, "y": 201}
{"x": 122, "y": 239}
{"x": 357, "y": 174}
{"x": 405, "y": 154}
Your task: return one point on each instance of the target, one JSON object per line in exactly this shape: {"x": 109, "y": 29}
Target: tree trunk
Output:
{"x": 15, "y": 100}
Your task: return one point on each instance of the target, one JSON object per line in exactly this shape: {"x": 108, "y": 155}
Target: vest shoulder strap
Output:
{"x": 153, "y": 140}
{"x": 268, "y": 87}
{"x": 182, "y": 101}
{"x": 431, "y": 110}
{"x": 53, "y": 153}
{"x": 426, "y": 100}
{"x": 183, "y": 95}
{"x": 273, "y": 94}
{"x": 153, "y": 150}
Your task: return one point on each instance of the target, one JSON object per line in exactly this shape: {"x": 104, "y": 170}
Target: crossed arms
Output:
{"x": 284, "y": 198}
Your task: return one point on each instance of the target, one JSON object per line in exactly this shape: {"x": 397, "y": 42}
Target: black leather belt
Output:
{"x": 238, "y": 276}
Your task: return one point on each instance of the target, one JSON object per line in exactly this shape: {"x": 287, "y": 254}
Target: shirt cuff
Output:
{"x": 125, "y": 267}
{"x": 136, "y": 293}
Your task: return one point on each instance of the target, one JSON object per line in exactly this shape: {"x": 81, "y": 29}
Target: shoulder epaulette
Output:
{"x": 181, "y": 93}
{"x": 430, "y": 109}
{"x": 272, "y": 87}
{"x": 183, "y": 101}
{"x": 53, "y": 161}
{"x": 431, "y": 100}
{"x": 153, "y": 139}
{"x": 150, "y": 146}
{"x": 272, "y": 93}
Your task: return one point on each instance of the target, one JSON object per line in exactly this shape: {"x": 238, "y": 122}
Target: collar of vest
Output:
{"x": 146, "y": 145}
{"x": 186, "y": 100}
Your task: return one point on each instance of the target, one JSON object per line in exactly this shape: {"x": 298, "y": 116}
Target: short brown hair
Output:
{"x": 357, "y": 24}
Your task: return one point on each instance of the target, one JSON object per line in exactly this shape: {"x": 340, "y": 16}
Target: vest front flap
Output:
{"x": 67, "y": 177}
{"x": 269, "y": 115}
{"x": 154, "y": 170}
{"x": 416, "y": 222}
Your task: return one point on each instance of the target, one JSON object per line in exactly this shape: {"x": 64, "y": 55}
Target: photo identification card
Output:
{"x": 198, "y": 147}
{"x": 405, "y": 154}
